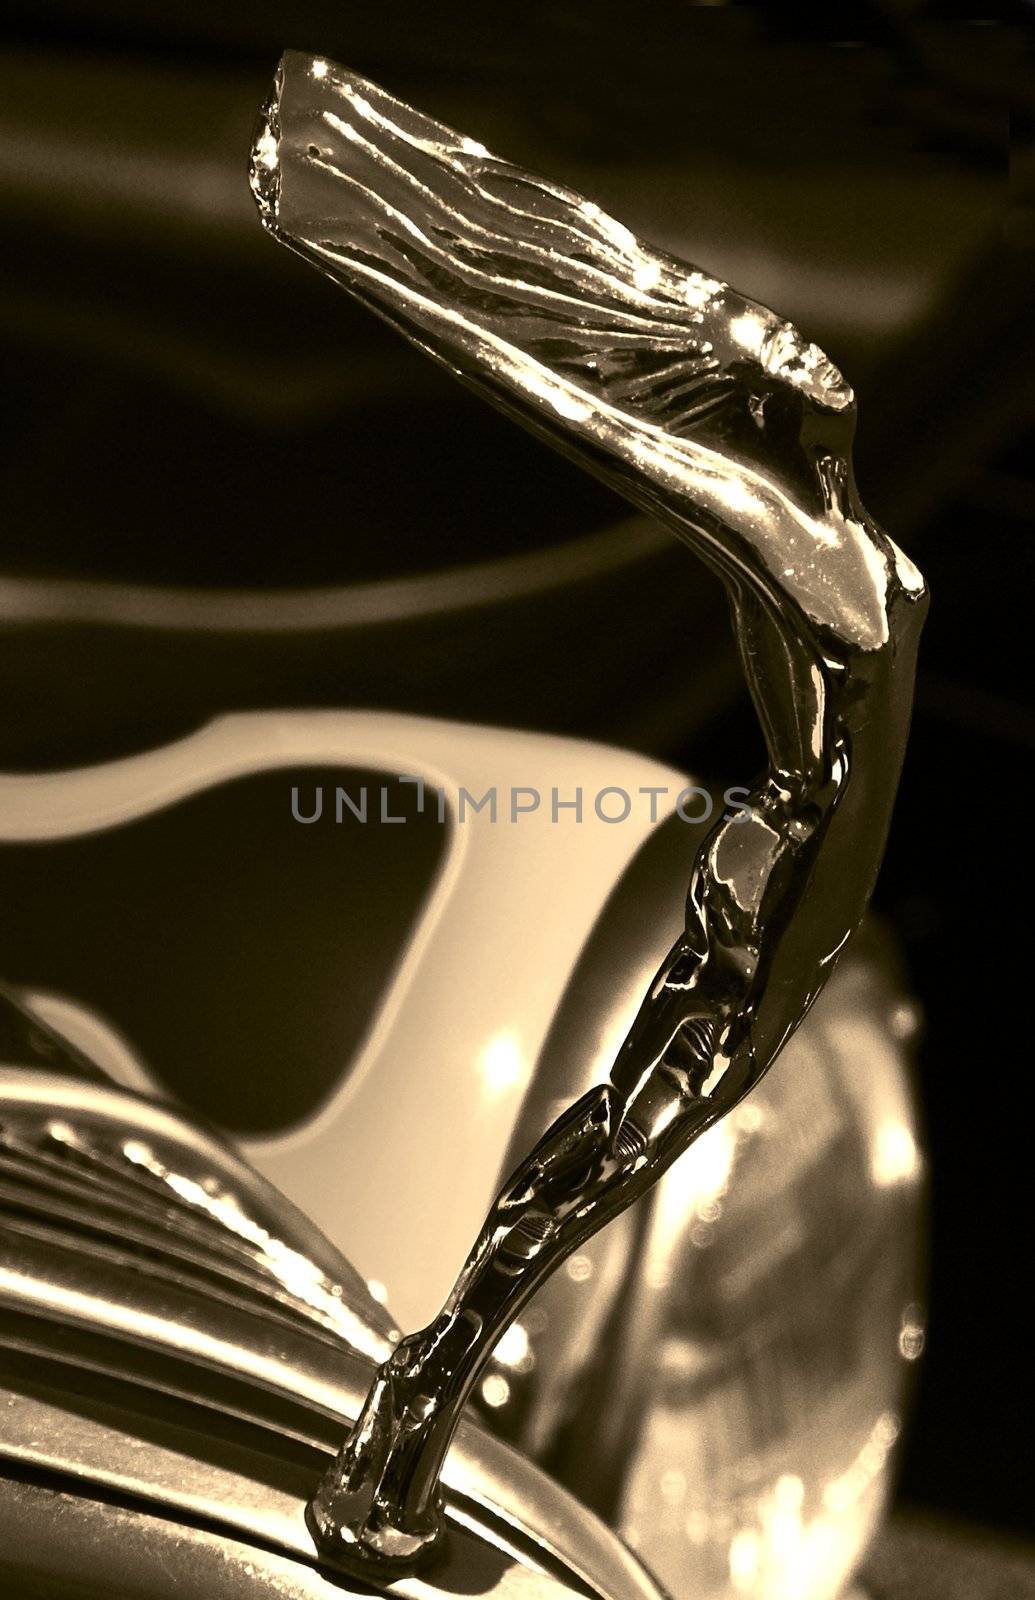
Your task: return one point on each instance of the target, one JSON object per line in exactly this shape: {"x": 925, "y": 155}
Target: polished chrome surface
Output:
{"x": 175, "y": 1335}
{"x": 133, "y": 1194}
{"x": 716, "y": 416}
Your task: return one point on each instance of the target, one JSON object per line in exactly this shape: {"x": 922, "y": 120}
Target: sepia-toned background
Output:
{"x": 195, "y": 483}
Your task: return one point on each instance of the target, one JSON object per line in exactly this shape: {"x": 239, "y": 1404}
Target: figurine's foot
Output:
{"x": 368, "y": 1511}
{"x": 368, "y": 1537}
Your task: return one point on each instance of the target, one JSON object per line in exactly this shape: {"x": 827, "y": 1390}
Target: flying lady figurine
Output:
{"x": 718, "y": 418}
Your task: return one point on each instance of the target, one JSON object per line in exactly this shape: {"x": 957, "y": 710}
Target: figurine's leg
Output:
{"x": 688, "y": 1059}
{"x": 380, "y": 1497}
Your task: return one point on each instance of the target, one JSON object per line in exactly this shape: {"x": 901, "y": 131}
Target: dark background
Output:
{"x": 183, "y": 404}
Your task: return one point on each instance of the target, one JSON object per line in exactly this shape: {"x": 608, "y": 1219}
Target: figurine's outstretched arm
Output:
{"x": 710, "y": 412}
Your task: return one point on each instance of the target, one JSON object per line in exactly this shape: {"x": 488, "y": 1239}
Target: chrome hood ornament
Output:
{"x": 714, "y": 415}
